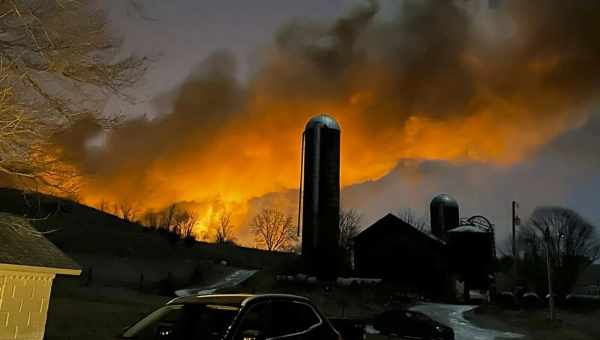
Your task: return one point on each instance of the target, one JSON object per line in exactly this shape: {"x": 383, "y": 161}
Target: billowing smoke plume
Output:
{"x": 435, "y": 80}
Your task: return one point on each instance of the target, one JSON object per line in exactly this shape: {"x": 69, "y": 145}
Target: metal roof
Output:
{"x": 322, "y": 120}
{"x": 444, "y": 199}
{"x": 22, "y": 245}
{"x": 393, "y": 219}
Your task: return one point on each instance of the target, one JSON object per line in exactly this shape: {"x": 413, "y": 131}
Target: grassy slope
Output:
{"x": 85, "y": 230}
{"x": 94, "y": 313}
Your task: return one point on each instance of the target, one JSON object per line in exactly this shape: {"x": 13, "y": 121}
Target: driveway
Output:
{"x": 452, "y": 315}
{"x": 229, "y": 281}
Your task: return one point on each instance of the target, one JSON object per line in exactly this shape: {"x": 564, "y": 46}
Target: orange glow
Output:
{"x": 408, "y": 90}
{"x": 260, "y": 154}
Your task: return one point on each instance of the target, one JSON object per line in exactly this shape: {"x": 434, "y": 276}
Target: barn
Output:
{"x": 28, "y": 266}
{"x": 397, "y": 251}
{"x": 456, "y": 249}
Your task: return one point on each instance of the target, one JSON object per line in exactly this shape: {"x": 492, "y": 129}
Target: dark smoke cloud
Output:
{"x": 563, "y": 173}
{"x": 428, "y": 83}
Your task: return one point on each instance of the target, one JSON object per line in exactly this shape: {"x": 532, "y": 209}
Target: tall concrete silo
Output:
{"x": 444, "y": 214}
{"x": 321, "y": 195}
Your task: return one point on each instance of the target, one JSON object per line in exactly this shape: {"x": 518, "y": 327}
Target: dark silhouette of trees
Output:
{"x": 350, "y": 223}
{"x": 224, "y": 229}
{"x": 47, "y": 45}
{"x": 103, "y": 205}
{"x": 174, "y": 223}
{"x": 349, "y": 227}
{"x": 151, "y": 220}
{"x": 273, "y": 230}
{"x": 167, "y": 219}
{"x": 127, "y": 210}
{"x": 185, "y": 222}
{"x": 570, "y": 241}
{"x": 409, "y": 216}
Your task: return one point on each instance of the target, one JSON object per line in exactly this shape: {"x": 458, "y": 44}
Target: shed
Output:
{"x": 28, "y": 266}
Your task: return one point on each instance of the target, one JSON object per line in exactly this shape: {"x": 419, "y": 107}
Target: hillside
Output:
{"x": 119, "y": 252}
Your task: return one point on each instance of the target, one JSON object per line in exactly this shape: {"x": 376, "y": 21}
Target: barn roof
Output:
{"x": 392, "y": 221}
{"x": 25, "y": 248}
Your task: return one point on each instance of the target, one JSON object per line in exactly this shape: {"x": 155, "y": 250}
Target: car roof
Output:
{"x": 233, "y": 299}
{"x": 217, "y": 299}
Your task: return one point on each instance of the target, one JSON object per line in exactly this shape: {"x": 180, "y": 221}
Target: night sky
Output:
{"x": 178, "y": 35}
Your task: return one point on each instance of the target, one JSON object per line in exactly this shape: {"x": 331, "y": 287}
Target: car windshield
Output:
{"x": 183, "y": 321}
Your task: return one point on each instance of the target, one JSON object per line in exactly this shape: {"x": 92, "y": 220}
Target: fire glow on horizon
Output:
{"x": 426, "y": 85}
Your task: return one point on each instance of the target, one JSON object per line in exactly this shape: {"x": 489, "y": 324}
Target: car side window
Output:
{"x": 291, "y": 317}
{"x": 392, "y": 316}
{"x": 256, "y": 318}
{"x": 420, "y": 317}
{"x": 160, "y": 323}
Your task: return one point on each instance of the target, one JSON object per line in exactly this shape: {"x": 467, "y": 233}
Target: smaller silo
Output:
{"x": 471, "y": 255}
{"x": 444, "y": 214}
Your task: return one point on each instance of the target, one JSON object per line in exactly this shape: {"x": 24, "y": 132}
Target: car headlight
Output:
{"x": 439, "y": 329}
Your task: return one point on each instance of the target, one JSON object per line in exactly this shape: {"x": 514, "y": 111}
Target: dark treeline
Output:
{"x": 556, "y": 237}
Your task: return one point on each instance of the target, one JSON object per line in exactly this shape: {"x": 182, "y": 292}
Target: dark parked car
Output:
{"x": 234, "y": 317}
{"x": 350, "y": 329}
{"x": 410, "y": 324}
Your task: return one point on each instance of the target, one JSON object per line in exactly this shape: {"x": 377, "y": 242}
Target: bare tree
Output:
{"x": 46, "y": 45}
{"x": 349, "y": 227}
{"x": 224, "y": 229}
{"x": 167, "y": 225}
{"x": 570, "y": 241}
{"x": 273, "y": 229}
{"x": 409, "y": 216}
{"x": 185, "y": 222}
{"x": 103, "y": 205}
{"x": 167, "y": 218}
{"x": 22, "y": 225}
{"x": 127, "y": 210}
{"x": 151, "y": 219}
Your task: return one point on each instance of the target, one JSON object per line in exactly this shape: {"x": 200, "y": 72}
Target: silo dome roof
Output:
{"x": 444, "y": 199}
{"x": 322, "y": 120}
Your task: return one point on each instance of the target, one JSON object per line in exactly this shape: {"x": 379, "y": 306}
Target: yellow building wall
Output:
{"x": 24, "y": 300}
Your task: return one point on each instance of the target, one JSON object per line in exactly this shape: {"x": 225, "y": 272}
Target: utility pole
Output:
{"x": 549, "y": 270}
{"x": 515, "y": 222}
{"x": 514, "y": 239}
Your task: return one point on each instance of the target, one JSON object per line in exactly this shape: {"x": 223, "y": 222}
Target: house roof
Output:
{"x": 393, "y": 221}
{"x": 25, "y": 249}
